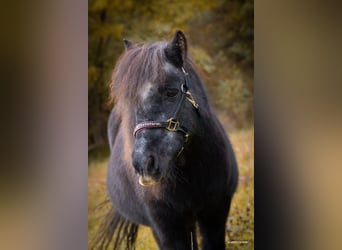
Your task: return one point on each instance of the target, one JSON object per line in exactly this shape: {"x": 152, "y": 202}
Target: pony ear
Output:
{"x": 128, "y": 44}
{"x": 176, "y": 50}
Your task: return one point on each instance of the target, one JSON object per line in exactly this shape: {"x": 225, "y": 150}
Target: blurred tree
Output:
{"x": 226, "y": 33}
{"x": 217, "y": 29}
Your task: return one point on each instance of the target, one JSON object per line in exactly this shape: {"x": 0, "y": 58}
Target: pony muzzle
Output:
{"x": 147, "y": 170}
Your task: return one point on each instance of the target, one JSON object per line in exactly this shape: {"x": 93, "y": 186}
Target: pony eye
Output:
{"x": 171, "y": 92}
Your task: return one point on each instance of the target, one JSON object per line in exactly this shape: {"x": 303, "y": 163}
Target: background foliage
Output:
{"x": 220, "y": 34}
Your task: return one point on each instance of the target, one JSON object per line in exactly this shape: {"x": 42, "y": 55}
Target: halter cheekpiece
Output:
{"x": 172, "y": 124}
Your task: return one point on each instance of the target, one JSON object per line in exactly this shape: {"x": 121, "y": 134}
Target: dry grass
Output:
{"x": 240, "y": 225}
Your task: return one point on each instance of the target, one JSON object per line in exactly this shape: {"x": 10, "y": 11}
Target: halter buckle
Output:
{"x": 172, "y": 124}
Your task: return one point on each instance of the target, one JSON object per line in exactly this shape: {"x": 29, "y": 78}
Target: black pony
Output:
{"x": 171, "y": 163}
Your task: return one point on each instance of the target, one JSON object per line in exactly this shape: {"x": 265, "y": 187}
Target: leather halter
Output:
{"x": 172, "y": 124}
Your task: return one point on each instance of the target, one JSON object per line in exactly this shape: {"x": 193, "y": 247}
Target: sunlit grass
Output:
{"x": 240, "y": 224}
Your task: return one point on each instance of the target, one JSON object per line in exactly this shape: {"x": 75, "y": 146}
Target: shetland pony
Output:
{"x": 172, "y": 167}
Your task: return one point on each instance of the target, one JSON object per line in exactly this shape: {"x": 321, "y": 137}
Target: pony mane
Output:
{"x": 135, "y": 67}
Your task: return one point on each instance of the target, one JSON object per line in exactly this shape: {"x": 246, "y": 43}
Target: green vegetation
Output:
{"x": 240, "y": 225}
{"x": 220, "y": 35}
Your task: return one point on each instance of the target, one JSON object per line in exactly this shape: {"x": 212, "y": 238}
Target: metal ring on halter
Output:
{"x": 183, "y": 86}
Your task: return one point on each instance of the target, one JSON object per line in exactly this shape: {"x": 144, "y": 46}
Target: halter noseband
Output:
{"x": 172, "y": 124}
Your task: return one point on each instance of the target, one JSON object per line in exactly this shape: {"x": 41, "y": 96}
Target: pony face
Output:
{"x": 156, "y": 149}
{"x": 147, "y": 84}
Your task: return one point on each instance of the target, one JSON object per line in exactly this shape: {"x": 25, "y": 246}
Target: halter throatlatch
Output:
{"x": 172, "y": 124}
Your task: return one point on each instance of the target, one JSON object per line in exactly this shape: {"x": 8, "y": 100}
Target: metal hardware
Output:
{"x": 180, "y": 151}
{"x": 191, "y": 99}
{"x": 183, "y": 88}
{"x": 186, "y": 73}
{"x": 172, "y": 124}
{"x": 186, "y": 137}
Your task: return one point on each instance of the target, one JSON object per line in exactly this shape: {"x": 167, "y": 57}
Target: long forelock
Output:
{"x": 136, "y": 67}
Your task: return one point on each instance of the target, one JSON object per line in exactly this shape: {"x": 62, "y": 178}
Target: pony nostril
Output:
{"x": 150, "y": 166}
{"x": 137, "y": 163}
{"x": 144, "y": 165}
{"x": 136, "y": 166}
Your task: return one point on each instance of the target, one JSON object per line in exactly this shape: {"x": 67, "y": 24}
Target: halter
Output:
{"x": 172, "y": 124}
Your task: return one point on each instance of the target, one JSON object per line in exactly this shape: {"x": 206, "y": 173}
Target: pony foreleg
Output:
{"x": 172, "y": 234}
{"x": 175, "y": 238}
{"x": 213, "y": 228}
